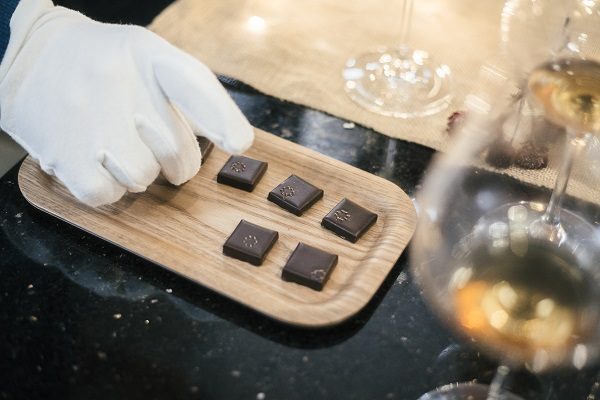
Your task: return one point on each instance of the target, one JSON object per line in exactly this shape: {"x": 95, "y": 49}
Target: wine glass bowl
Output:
{"x": 524, "y": 293}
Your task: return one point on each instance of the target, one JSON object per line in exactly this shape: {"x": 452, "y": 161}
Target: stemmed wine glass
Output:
{"x": 399, "y": 82}
{"x": 545, "y": 27}
{"x": 505, "y": 266}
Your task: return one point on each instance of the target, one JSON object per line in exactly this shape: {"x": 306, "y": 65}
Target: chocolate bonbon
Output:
{"x": 295, "y": 195}
{"x": 349, "y": 220}
{"x": 206, "y": 147}
{"x": 242, "y": 172}
{"x": 309, "y": 266}
{"x": 249, "y": 242}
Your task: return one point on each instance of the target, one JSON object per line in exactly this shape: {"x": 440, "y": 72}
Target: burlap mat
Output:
{"x": 296, "y": 49}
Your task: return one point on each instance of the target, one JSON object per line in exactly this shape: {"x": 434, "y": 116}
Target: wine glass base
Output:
{"x": 464, "y": 391}
{"x": 401, "y": 83}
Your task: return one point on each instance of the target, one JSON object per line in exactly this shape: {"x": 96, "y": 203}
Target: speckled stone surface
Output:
{"x": 82, "y": 319}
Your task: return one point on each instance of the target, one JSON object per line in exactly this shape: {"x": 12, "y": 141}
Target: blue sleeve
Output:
{"x": 7, "y": 8}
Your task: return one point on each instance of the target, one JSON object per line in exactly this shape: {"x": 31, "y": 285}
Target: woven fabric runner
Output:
{"x": 295, "y": 50}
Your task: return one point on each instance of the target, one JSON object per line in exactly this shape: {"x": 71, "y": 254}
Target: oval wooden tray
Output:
{"x": 183, "y": 229}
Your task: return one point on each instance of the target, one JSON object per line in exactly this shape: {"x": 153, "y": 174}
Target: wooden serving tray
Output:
{"x": 184, "y": 228}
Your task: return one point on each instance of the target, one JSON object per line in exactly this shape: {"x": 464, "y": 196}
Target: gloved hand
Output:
{"x": 105, "y": 108}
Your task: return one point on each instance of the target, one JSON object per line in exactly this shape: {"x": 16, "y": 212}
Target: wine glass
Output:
{"x": 513, "y": 271}
{"x": 503, "y": 264}
{"x": 544, "y": 26}
{"x": 399, "y": 82}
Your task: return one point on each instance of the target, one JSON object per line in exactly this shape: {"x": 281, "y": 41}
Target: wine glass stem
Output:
{"x": 498, "y": 385}
{"x": 574, "y": 144}
{"x": 520, "y": 107}
{"x": 389, "y": 164}
{"x": 405, "y": 20}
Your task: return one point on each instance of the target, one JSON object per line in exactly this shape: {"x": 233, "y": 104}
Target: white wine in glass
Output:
{"x": 526, "y": 298}
{"x": 569, "y": 91}
{"x": 398, "y": 82}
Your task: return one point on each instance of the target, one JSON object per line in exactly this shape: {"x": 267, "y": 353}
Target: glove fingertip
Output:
{"x": 183, "y": 176}
{"x": 240, "y": 141}
{"x": 97, "y": 199}
{"x": 95, "y": 189}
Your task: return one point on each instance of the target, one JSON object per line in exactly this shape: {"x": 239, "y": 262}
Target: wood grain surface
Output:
{"x": 184, "y": 228}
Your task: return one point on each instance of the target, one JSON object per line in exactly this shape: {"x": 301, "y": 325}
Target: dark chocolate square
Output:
{"x": 242, "y": 172}
{"x": 295, "y": 195}
{"x": 309, "y": 266}
{"x": 349, "y": 220}
{"x": 250, "y": 243}
{"x": 206, "y": 147}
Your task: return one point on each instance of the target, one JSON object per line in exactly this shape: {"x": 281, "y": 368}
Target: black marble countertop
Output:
{"x": 83, "y": 319}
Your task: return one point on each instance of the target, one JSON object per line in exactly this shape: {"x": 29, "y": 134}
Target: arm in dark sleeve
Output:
{"x": 7, "y": 8}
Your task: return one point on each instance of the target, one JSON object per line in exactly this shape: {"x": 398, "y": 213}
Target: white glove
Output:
{"x": 105, "y": 108}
